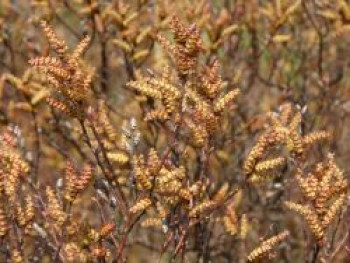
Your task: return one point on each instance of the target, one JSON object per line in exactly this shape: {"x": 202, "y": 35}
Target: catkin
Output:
{"x": 267, "y": 246}
{"x": 141, "y": 205}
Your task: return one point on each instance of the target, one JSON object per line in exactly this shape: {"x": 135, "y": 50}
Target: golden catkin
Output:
{"x": 118, "y": 157}
{"x": 185, "y": 194}
{"x": 243, "y": 227}
{"x": 29, "y": 209}
{"x": 20, "y": 216}
{"x": 141, "y": 173}
{"x": 256, "y": 178}
{"x": 256, "y": 152}
{"x": 307, "y": 185}
{"x": 145, "y": 89}
{"x": 212, "y": 83}
{"x": 84, "y": 178}
{"x": 222, "y": 103}
{"x": 70, "y": 179}
{"x": 267, "y": 246}
{"x": 3, "y": 222}
{"x": 199, "y": 133}
{"x": 79, "y": 50}
{"x": 270, "y": 164}
{"x": 162, "y": 210}
{"x": 286, "y": 113}
{"x": 75, "y": 182}
{"x": 312, "y": 138}
{"x": 140, "y": 205}
{"x": 2, "y": 182}
{"x": 153, "y": 161}
{"x": 107, "y": 229}
{"x": 202, "y": 208}
{"x": 231, "y": 220}
{"x": 152, "y": 222}
{"x": 294, "y": 143}
{"x": 57, "y": 44}
{"x": 74, "y": 253}
{"x": 99, "y": 252}
{"x": 310, "y": 217}
{"x": 295, "y": 122}
{"x": 45, "y": 61}
{"x": 160, "y": 115}
{"x": 221, "y": 193}
{"x": 54, "y": 209}
{"x": 94, "y": 235}
{"x": 333, "y": 210}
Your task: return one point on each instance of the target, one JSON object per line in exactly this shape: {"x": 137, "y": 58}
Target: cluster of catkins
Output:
{"x": 194, "y": 99}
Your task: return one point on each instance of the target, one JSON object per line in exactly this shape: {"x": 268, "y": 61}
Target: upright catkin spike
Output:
{"x": 230, "y": 220}
{"x": 3, "y": 222}
{"x": 221, "y": 193}
{"x": 267, "y": 246}
{"x": 70, "y": 181}
{"x": 29, "y": 209}
{"x": 243, "y": 227}
{"x": 333, "y": 210}
{"x": 222, "y": 103}
{"x": 107, "y": 229}
{"x": 55, "y": 42}
{"x": 80, "y": 49}
{"x": 54, "y": 209}
{"x": 84, "y": 179}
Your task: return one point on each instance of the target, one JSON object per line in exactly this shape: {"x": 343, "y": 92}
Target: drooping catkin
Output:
{"x": 267, "y": 245}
